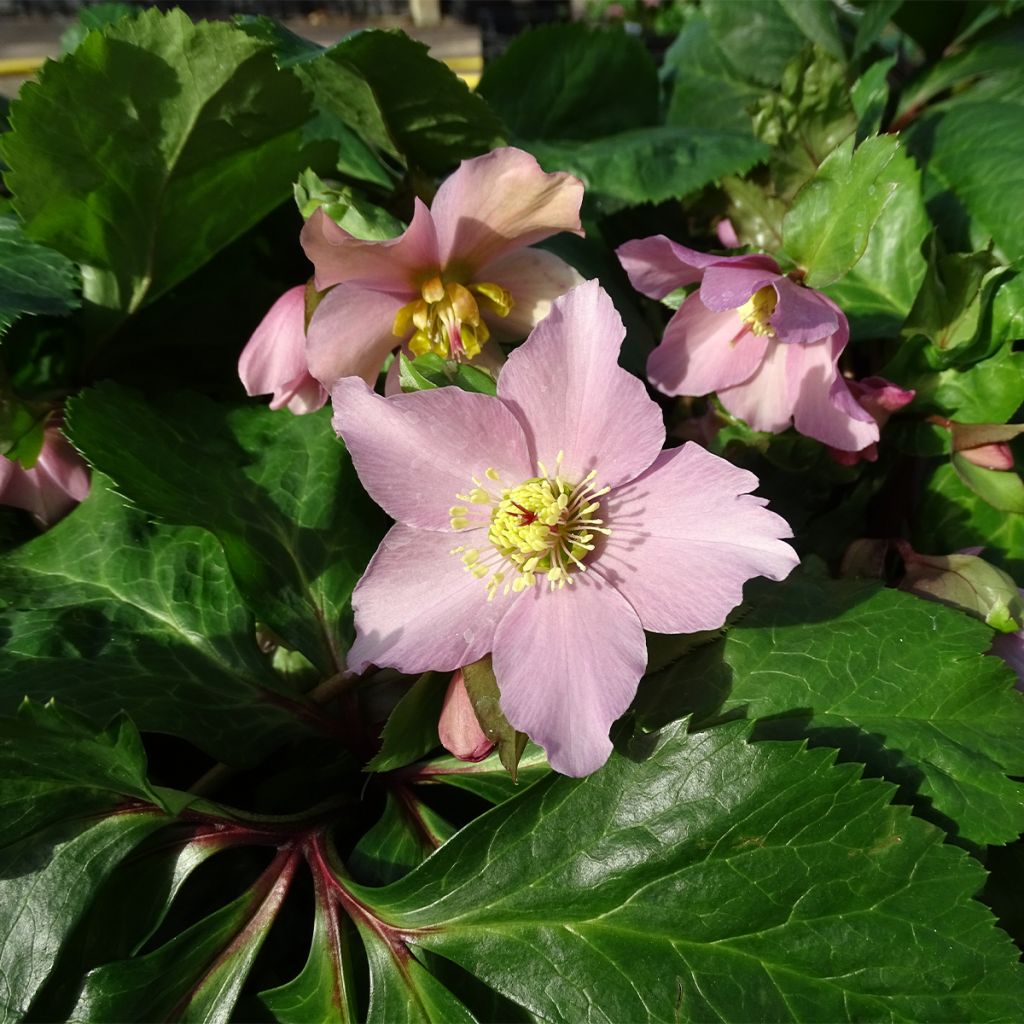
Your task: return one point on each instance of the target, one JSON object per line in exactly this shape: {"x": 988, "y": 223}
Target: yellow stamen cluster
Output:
{"x": 446, "y": 318}
{"x": 756, "y": 311}
{"x": 544, "y": 527}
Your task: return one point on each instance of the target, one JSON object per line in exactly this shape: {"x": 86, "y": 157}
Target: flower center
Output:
{"x": 446, "y": 318}
{"x": 756, "y": 311}
{"x": 544, "y": 526}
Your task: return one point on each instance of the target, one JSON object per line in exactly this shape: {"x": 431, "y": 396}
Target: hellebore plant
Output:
{"x": 881, "y": 398}
{"x": 273, "y": 361}
{"x": 460, "y": 273}
{"x": 547, "y": 526}
{"x": 766, "y": 345}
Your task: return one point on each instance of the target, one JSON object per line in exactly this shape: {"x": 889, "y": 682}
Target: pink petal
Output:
{"x": 990, "y": 456}
{"x": 803, "y": 315}
{"x": 686, "y": 536}
{"x": 702, "y": 351}
{"x": 499, "y": 202}
{"x": 727, "y": 234}
{"x": 416, "y": 453}
{"x": 350, "y": 334}
{"x": 823, "y": 407}
{"x": 729, "y": 282}
{"x": 391, "y": 265}
{"x": 458, "y": 728}
{"x": 273, "y": 361}
{"x": 417, "y": 609}
{"x": 568, "y": 663}
{"x": 568, "y": 391}
{"x": 657, "y": 265}
{"x": 880, "y": 397}
{"x": 1010, "y": 647}
{"x": 763, "y": 400}
{"x": 535, "y": 279}
{"x": 52, "y": 487}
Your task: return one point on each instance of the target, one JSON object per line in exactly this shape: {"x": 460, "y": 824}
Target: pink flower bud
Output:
{"x": 727, "y": 234}
{"x": 458, "y": 728}
{"x": 881, "y": 398}
{"x": 52, "y": 487}
{"x": 274, "y": 359}
{"x": 990, "y": 456}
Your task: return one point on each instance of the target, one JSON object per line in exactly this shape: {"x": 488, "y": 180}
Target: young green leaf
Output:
{"x": 411, "y": 731}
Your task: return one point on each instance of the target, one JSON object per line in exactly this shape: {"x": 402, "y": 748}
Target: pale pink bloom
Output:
{"x": 546, "y": 526}
{"x": 881, "y": 398}
{"x": 767, "y": 346}
{"x": 52, "y": 487}
{"x": 273, "y": 361}
{"x": 460, "y": 274}
{"x": 458, "y": 727}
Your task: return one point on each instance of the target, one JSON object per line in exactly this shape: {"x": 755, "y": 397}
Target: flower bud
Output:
{"x": 458, "y": 728}
{"x": 52, "y": 487}
{"x": 881, "y": 398}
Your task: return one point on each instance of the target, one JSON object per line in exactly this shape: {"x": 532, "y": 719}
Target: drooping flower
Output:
{"x": 547, "y": 526}
{"x": 460, "y": 274}
{"x": 52, "y": 487}
{"x": 458, "y": 728}
{"x": 766, "y": 345}
{"x": 273, "y": 361}
{"x": 881, "y": 398}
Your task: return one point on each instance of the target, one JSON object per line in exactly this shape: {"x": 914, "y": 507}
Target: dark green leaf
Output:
{"x": 893, "y": 680}
{"x": 870, "y": 96}
{"x": 649, "y": 165}
{"x": 277, "y": 490}
{"x": 488, "y": 778}
{"x": 411, "y": 731}
{"x": 33, "y": 278}
{"x": 713, "y": 881}
{"x": 562, "y": 82}
{"x": 185, "y": 125}
{"x": 757, "y": 39}
{"x": 817, "y": 20}
{"x": 106, "y": 611}
{"x": 407, "y": 833}
{"x": 873, "y": 19}
{"x": 196, "y": 976}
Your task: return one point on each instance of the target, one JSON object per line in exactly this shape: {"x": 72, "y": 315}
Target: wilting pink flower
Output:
{"x": 881, "y": 398}
{"x": 273, "y": 361}
{"x": 52, "y": 487}
{"x": 547, "y": 526}
{"x": 459, "y": 274}
{"x": 458, "y": 727}
{"x": 766, "y": 345}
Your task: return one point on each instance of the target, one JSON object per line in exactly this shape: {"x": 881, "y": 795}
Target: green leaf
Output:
{"x": 828, "y": 229}
{"x": 424, "y": 373}
{"x": 650, "y": 165}
{"x": 106, "y": 611}
{"x": 952, "y": 517}
{"x": 196, "y": 976}
{"x": 483, "y": 692}
{"x": 870, "y": 96}
{"x": 561, "y": 82}
{"x": 277, "y": 490}
{"x": 817, "y": 20}
{"x": 33, "y": 278}
{"x": 346, "y": 207}
{"x": 878, "y": 293}
{"x": 407, "y": 833}
{"x": 488, "y": 778}
{"x": 186, "y": 125}
{"x": 392, "y": 94}
{"x": 757, "y": 39}
{"x": 98, "y": 16}
{"x": 22, "y": 427}
{"x": 874, "y": 17}
{"x": 972, "y": 158}
{"x": 951, "y": 305}
{"x": 1002, "y": 489}
{"x": 988, "y": 392}
{"x": 411, "y": 730}
{"x": 893, "y": 680}
{"x": 74, "y": 801}
{"x": 713, "y": 880}
{"x": 323, "y": 990}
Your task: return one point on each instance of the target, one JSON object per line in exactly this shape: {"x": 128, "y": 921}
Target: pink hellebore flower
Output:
{"x": 766, "y": 345}
{"x": 547, "y": 526}
{"x": 458, "y": 727}
{"x": 881, "y": 398}
{"x": 274, "y": 359}
{"x": 459, "y": 274}
{"x": 52, "y": 487}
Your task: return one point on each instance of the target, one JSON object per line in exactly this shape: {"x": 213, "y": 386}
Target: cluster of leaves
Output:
{"x": 206, "y": 818}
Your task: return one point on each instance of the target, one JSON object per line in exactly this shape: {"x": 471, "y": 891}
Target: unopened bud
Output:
{"x": 458, "y": 728}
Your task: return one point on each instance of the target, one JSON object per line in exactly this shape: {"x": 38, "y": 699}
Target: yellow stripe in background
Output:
{"x": 21, "y": 65}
